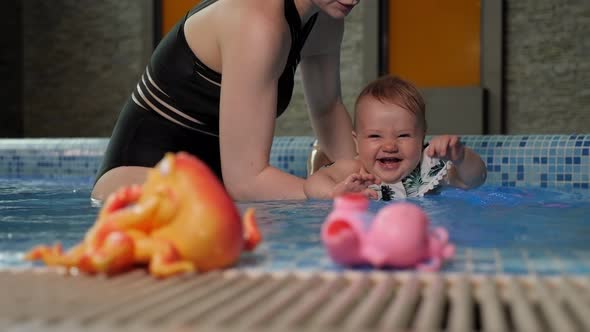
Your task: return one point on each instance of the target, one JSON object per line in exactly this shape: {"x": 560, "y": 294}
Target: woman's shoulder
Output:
{"x": 255, "y": 12}
{"x": 253, "y": 21}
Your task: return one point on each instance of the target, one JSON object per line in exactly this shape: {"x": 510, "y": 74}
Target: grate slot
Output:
{"x": 161, "y": 315}
{"x": 400, "y": 313}
{"x": 556, "y": 317}
{"x": 522, "y": 312}
{"x": 69, "y": 301}
{"x": 230, "y": 291}
{"x": 461, "y": 314}
{"x": 235, "y": 300}
{"x": 242, "y": 305}
{"x": 310, "y": 302}
{"x": 38, "y": 302}
{"x": 584, "y": 285}
{"x": 342, "y": 303}
{"x": 29, "y": 325}
{"x": 20, "y": 299}
{"x": 492, "y": 313}
{"x": 22, "y": 302}
{"x": 122, "y": 298}
{"x": 431, "y": 310}
{"x": 89, "y": 294}
{"x": 575, "y": 302}
{"x": 154, "y": 301}
{"x": 372, "y": 306}
{"x": 266, "y": 311}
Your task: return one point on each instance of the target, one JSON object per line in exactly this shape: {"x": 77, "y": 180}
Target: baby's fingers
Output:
{"x": 353, "y": 178}
{"x": 371, "y": 194}
{"x": 457, "y": 151}
{"x": 368, "y": 178}
{"x": 437, "y": 148}
{"x": 430, "y": 150}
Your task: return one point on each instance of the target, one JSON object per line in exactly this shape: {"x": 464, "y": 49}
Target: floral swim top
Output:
{"x": 424, "y": 178}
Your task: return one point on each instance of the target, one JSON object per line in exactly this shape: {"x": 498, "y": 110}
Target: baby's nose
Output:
{"x": 390, "y": 145}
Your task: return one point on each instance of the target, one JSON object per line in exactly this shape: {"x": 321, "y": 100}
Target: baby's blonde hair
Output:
{"x": 394, "y": 90}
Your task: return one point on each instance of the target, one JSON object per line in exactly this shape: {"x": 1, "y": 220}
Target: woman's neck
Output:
{"x": 306, "y": 9}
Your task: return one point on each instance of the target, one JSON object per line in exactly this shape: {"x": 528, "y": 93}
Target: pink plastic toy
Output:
{"x": 398, "y": 236}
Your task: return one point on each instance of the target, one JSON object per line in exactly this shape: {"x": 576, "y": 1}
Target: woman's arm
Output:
{"x": 320, "y": 68}
{"x": 341, "y": 177}
{"x": 320, "y": 184}
{"x": 254, "y": 48}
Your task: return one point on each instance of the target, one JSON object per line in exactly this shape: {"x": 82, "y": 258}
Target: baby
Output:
{"x": 392, "y": 161}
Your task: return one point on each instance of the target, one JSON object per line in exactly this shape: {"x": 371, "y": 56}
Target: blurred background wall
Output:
{"x": 547, "y": 66}
{"x": 11, "y": 72}
{"x": 81, "y": 60}
{"x": 68, "y": 66}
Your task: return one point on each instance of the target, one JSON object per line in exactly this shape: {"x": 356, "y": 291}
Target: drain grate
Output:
{"x": 235, "y": 300}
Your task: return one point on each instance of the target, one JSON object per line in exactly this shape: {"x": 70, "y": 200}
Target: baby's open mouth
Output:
{"x": 389, "y": 162}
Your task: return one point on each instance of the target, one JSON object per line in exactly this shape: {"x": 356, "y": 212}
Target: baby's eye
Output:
{"x": 374, "y": 136}
{"x": 404, "y": 135}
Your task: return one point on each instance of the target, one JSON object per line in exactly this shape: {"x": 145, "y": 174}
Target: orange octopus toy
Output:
{"x": 180, "y": 220}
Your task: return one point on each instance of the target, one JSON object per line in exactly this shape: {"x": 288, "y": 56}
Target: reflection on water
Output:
{"x": 507, "y": 219}
{"x": 485, "y": 217}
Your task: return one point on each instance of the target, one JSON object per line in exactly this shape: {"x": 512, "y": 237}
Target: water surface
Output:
{"x": 496, "y": 229}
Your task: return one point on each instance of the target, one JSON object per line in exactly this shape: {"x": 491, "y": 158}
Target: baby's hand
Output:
{"x": 357, "y": 183}
{"x": 448, "y": 147}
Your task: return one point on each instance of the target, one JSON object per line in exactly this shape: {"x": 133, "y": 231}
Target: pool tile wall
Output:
{"x": 51, "y": 158}
{"x": 561, "y": 161}
{"x": 557, "y": 161}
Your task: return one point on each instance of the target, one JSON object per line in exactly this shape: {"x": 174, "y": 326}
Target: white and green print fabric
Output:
{"x": 426, "y": 177}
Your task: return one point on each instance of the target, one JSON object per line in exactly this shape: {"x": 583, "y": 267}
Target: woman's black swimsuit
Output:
{"x": 175, "y": 105}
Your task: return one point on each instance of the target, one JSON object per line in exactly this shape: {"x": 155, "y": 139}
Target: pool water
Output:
{"x": 496, "y": 229}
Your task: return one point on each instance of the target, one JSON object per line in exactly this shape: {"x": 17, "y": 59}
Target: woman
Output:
{"x": 181, "y": 102}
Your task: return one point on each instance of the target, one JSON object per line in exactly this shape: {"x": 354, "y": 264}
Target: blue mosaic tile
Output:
{"x": 561, "y": 161}
{"x": 50, "y": 158}
{"x": 537, "y": 163}
{"x": 290, "y": 153}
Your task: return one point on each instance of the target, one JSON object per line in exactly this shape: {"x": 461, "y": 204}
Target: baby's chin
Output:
{"x": 391, "y": 178}
{"x": 387, "y": 177}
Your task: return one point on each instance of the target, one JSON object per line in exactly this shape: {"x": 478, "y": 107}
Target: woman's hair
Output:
{"x": 394, "y": 90}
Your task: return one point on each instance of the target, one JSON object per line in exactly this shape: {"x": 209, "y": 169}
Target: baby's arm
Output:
{"x": 341, "y": 177}
{"x": 468, "y": 170}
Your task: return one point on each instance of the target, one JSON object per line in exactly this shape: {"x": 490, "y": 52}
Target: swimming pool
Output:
{"x": 497, "y": 230}
{"x": 530, "y": 218}
{"x": 522, "y": 240}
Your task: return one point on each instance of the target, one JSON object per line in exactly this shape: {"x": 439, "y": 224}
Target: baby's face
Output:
{"x": 388, "y": 139}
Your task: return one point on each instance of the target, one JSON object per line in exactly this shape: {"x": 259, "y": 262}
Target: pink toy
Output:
{"x": 398, "y": 236}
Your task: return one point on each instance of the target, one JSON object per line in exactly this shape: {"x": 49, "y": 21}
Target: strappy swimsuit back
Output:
{"x": 187, "y": 91}
{"x": 175, "y": 105}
